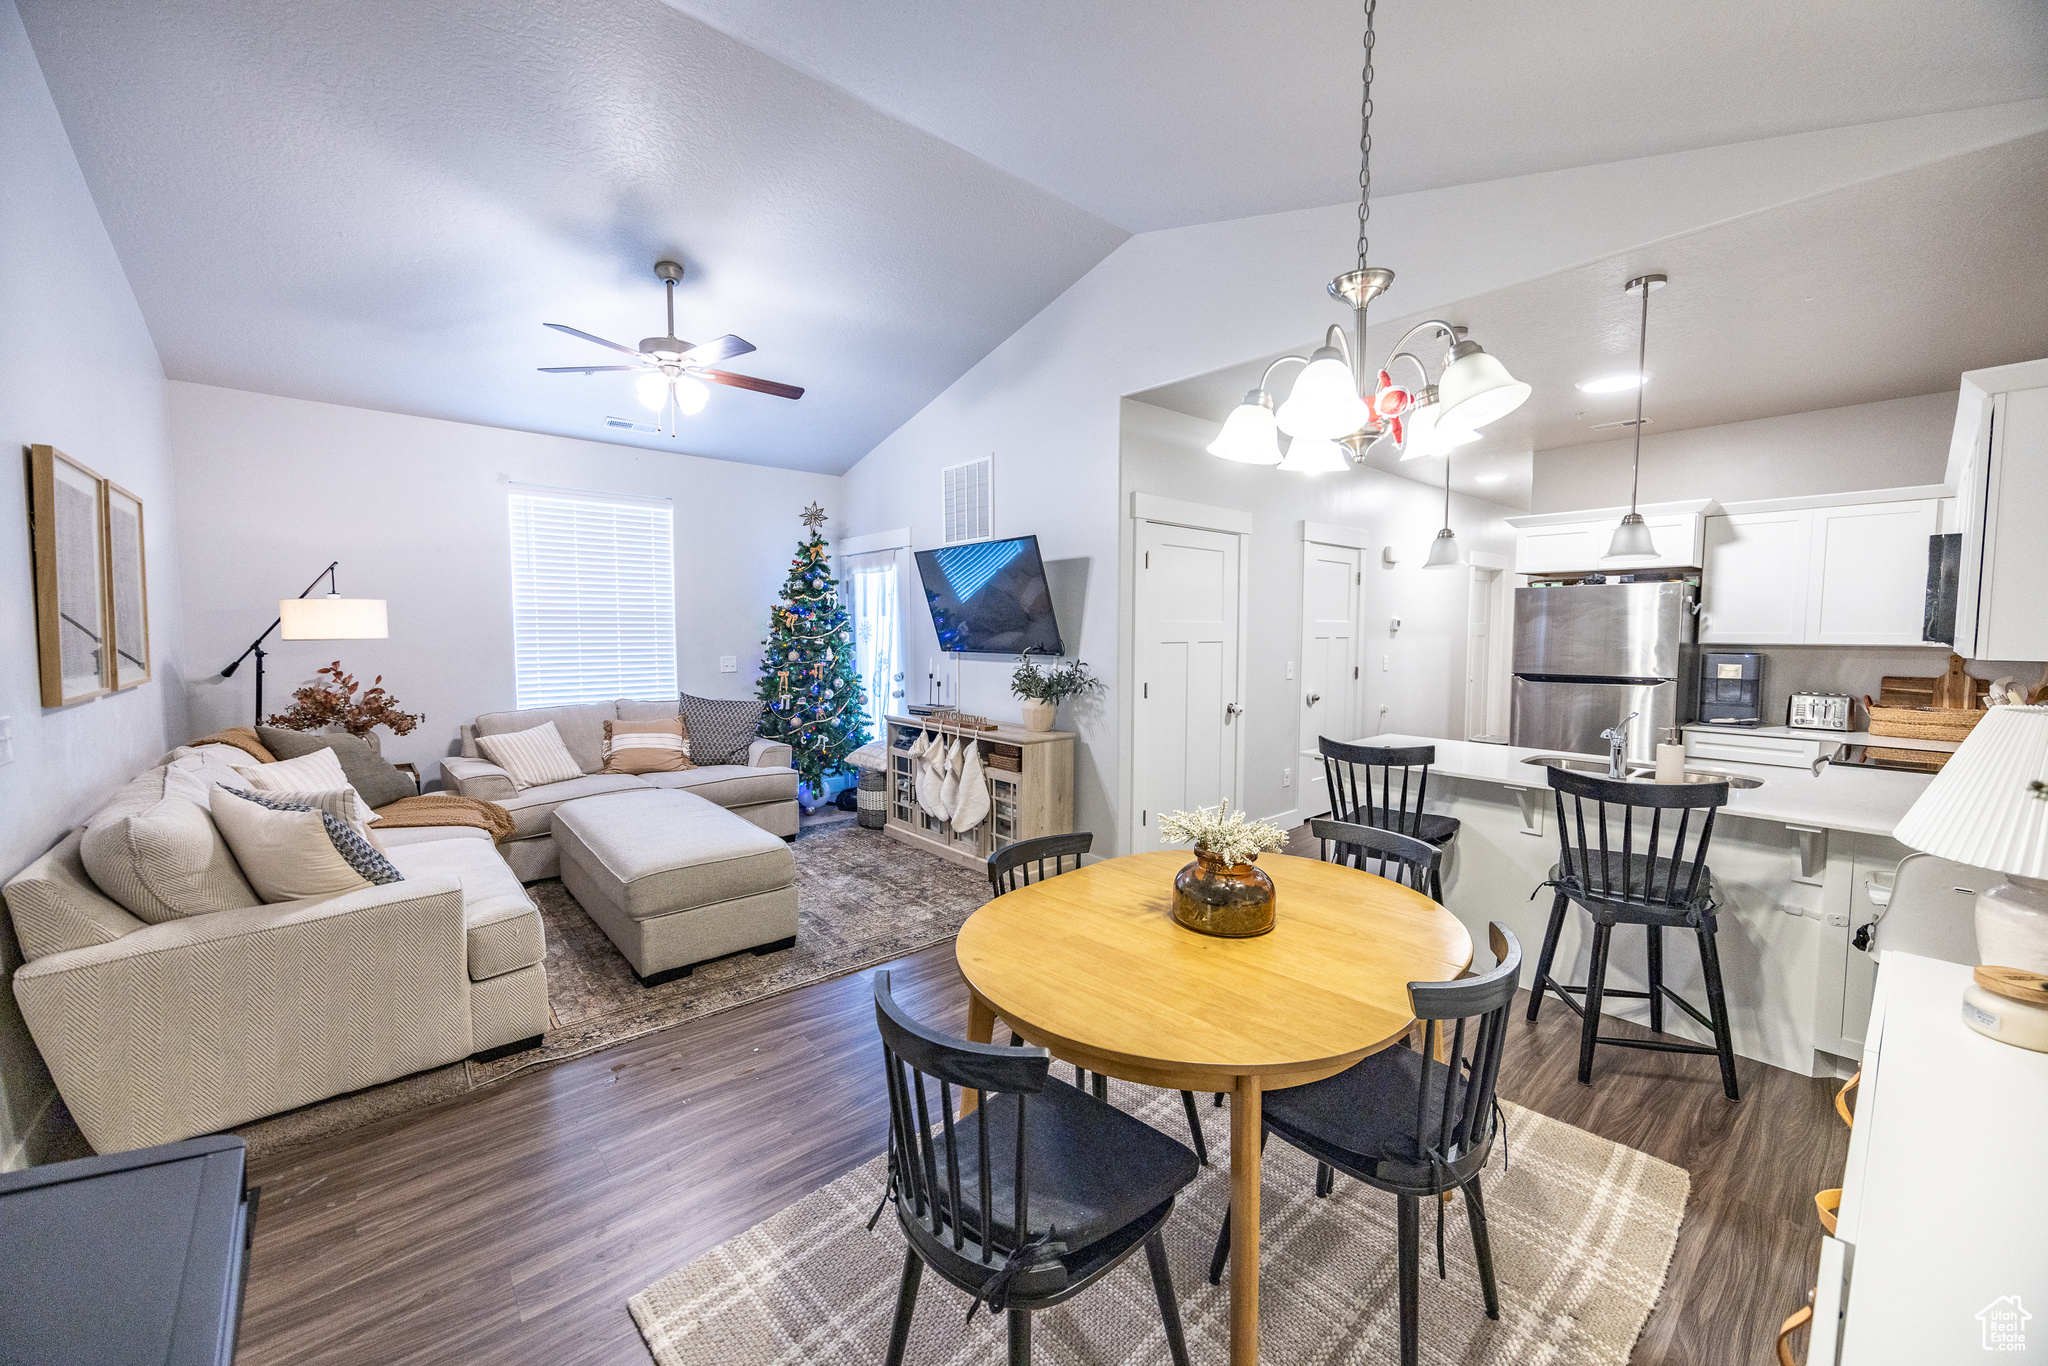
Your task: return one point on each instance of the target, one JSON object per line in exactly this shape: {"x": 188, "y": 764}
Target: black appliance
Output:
{"x": 1731, "y": 689}
{"x": 990, "y": 597}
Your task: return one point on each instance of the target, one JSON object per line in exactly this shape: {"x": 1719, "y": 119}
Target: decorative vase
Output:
{"x": 1229, "y": 900}
{"x": 1039, "y": 713}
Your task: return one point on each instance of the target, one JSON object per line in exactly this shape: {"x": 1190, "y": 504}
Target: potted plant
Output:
{"x": 1221, "y": 893}
{"x": 1044, "y": 689}
{"x": 334, "y": 703}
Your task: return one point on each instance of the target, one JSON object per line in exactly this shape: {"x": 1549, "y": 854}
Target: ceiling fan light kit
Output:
{"x": 672, "y": 371}
{"x": 1632, "y": 539}
{"x": 1334, "y": 399}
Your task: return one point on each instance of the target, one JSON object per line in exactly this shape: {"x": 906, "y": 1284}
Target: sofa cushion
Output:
{"x": 670, "y": 851}
{"x": 646, "y": 746}
{"x": 295, "y": 854}
{"x": 534, "y": 757}
{"x": 721, "y": 728}
{"x": 636, "y": 709}
{"x": 56, "y": 907}
{"x": 731, "y": 784}
{"x": 317, "y": 770}
{"x": 581, "y": 728}
{"x": 505, "y": 932}
{"x": 368, "y": 772}
{"x": 530, "y": 809}
{"x": 164, "y": 861}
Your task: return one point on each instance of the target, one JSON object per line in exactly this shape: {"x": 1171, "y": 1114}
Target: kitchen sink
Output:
{"x": 1641, "y": 772}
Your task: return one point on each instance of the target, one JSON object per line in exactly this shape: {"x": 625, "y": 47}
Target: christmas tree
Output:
{"x": 809, "y": 685}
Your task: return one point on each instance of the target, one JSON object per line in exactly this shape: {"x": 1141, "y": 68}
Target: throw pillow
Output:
{"x": 342, "y": 803}
{"x": 164, "y": 862}
{"x": 721, "y": 728}
{"x": 646, "y": 746}
{"x": 368, "y": 771}
{"x": 534, "y": 757}
{"x": 318, "y": 771}
{"x": 291, "y": 852}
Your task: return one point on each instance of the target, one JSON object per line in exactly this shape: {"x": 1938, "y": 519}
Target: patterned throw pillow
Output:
{"x": 354, "y": 848}
{"x": 721, "y": 728}
{"x": 646, "y": 746}
{"x": 291, "y": 852}
{"x": 534, "y": 757}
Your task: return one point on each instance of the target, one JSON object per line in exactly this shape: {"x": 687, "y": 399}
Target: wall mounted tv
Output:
{"x": 990, "y": 597}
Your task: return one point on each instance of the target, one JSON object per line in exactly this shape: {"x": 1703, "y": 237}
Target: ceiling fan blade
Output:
{"x": 585, "y": 369}
{"x": 759, "y": 386}
{"x": 717, "y": 349}
{"x": 564, "y": 327}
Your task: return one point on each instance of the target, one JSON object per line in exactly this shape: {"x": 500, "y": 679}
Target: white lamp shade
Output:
{"x": 652, "y": 388}
{"x": 1443, "y": 551}
{"x": 331, "y": 618}
{"x": 1988, "y": 806}
{"x": 1307, "y": 456}
{"x": 691, "y": 395}
{"x": 1477, "y": 389}
{"x": 1324, "y": 401}
{"x": 1632, "y": 540}
{"x": 1250, "y": 435}
{"x": 1424, "y": 433}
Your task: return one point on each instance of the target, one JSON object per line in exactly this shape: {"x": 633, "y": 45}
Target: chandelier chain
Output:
{"x": 1365, "y": 137}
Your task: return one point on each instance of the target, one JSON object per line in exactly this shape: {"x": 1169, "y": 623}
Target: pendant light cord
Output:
{"x": 1642, "y": 358}
{"x": 1365, "y": 139}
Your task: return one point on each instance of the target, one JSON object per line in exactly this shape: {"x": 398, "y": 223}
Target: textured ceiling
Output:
{"x": 379, "y": 202}
{"x": 1161, "y": 113}
{"x": 1886, "y": 289}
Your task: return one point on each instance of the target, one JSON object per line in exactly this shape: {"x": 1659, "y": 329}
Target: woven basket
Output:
{"x": 1924, "y": 723}
{"x": 874, "y": 799}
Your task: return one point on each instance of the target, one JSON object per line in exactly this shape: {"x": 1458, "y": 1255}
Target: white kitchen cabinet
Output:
{"x": 1753, "y": 583}
{"x": 1999, "y": 462}
{"x": 1868, "y": 580}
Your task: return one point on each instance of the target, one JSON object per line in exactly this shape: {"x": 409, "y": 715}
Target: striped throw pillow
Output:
{"x": 534, "y": 757}
{"x": 646, "y": 746}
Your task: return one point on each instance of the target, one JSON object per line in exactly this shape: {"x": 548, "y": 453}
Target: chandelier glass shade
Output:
{"x": 1477, "y": 389}
{"x": 1250, "y": 434}
{"x": 1426, "y": 434}
{"x": 1314, "y": 455}
{"x": 1325, "y": 401}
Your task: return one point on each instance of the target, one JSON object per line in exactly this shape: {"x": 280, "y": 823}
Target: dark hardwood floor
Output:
{"x": 510, "y": 1226}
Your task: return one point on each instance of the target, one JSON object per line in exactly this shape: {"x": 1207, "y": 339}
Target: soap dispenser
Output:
{"x": 1671, "y": 757}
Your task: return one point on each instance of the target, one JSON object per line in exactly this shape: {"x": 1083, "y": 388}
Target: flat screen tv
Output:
{"x": 990, "y": 597}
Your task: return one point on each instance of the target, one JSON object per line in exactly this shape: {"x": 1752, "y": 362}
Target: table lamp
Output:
{"x": 332, "y": 617}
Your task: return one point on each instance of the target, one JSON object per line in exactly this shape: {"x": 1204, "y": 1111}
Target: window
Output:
{"x": 875, "y": 624}
{"x": 593, "y": 596}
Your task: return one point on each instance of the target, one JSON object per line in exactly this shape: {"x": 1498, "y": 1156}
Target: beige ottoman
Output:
{"x": 675, "y": 880}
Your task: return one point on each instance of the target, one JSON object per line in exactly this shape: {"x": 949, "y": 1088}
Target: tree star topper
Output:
{"x": 814, "y": 516}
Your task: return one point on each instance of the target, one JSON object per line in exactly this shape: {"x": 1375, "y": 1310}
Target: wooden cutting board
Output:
{"x": 1953, "y": 689}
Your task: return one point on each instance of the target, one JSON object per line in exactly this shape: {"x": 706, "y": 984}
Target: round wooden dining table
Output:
{"x": 1092, "y": 966}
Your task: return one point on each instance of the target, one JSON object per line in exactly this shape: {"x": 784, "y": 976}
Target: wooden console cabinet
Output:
{"x": 1031, "y": 790}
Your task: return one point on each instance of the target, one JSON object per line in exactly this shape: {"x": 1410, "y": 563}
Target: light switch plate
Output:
{"x": 6, "y": 739}
{"x": 728, "y": 664}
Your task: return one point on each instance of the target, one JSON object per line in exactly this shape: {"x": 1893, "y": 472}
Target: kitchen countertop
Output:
{"x": 1864, "y": 801}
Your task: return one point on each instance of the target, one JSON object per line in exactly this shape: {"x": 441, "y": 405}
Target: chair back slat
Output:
{"x": 1360, "y": 797}
{"x": 1025, "y": 862}
{"x": 952, "y": 1155}
{"x": 988, "y": 1204}
{"x": 1374, "y": 849}
{"x": 1476, "y": 1009}
{"x": 1646, "y": 876}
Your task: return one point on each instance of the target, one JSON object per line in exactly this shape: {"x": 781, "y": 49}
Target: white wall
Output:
{"x": 271, "y": 489}
{"x": 1896, "y": 443}
{"x": 1171, "y": 304}
{"x": 77, "y": 371}
{"x": 1417, "y": 674}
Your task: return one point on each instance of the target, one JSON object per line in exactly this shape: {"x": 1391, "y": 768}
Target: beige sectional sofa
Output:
{"x": 762, "y": 790}
{"x": 200, "y": 1022}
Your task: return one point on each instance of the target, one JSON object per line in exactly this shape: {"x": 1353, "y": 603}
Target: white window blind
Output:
{"x": 593, "y": 596}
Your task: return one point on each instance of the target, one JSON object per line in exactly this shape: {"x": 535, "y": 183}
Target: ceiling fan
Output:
{"x": 672, "y": 371}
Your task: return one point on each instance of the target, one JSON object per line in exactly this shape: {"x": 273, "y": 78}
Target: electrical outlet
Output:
{"x": 1838, "y": 921}
{"x": 1290, "y": 668}
{"x": 1287, "y": 777}
{"x": 728, "y": 664}
{"x": 1386, "y": 663}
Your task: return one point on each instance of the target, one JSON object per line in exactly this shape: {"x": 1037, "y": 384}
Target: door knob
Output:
{"x": 1314, "y": 698}
{"x": 1231, "y": 711}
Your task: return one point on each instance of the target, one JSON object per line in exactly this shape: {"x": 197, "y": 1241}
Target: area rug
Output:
{"x": 1582, "y": 1229}
{"x": 862, "y": 899}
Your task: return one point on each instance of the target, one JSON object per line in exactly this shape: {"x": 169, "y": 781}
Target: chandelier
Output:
{"x": 1337, "y": 410}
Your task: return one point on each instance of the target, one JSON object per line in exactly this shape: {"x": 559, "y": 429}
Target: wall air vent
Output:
{"x": 627, "y": 424}
{"x": 966, "y": 493}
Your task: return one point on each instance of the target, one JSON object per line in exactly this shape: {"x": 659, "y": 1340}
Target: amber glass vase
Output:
{"x": 1231, "y": 900}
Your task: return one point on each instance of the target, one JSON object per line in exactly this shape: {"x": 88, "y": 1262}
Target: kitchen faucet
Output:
{"x": 1616, "y": 737}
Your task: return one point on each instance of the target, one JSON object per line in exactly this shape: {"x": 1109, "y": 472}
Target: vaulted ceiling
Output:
{"x": 378, "y": 202}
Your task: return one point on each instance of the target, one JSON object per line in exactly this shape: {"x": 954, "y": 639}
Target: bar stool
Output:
{"x": 1363, "y": 803}
{"x": 1631, "y": 886}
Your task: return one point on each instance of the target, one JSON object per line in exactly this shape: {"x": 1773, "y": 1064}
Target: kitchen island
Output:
{"x": 1795, "y": 858}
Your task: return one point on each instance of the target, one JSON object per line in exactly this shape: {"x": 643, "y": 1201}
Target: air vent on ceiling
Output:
{"x": 627, "y": 424}
{"x": 968, "y": 515}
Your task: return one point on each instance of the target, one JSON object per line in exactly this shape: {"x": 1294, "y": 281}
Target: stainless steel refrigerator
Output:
{"x": 1586, "y": 655}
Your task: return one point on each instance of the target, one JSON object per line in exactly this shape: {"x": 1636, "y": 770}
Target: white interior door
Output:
{"x": 1185, "y": 740}
{"x": 1488, "y": 650}
{"x": 1331, "y": 583}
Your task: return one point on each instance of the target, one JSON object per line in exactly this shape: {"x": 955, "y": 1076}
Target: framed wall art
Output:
{"x": 67, "y": 521}
{"x": 127, "y": 590}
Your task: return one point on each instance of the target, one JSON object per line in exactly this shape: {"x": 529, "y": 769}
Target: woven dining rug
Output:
{"x": 1582, "y": 1229}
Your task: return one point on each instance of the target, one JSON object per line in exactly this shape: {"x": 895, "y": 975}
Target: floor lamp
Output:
{"x": 332, "y": 617}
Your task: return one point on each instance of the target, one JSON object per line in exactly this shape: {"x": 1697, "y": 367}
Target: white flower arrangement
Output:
{"x": 1222, "y": 834}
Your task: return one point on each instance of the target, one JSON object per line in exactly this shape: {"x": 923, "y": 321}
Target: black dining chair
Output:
{"x": 1362, "y": 785}
{"x": 1404, "y": 1122}
{"x": 1021, "y": 864}
{"x": 1620, "y": 881}
{"x": 1398, "y": 858}
{"x": 1028, "y": 1201}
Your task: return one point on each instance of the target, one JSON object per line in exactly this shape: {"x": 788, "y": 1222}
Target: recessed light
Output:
{"x": 1611, "y": 384}
{"x": 1488, "y": 478}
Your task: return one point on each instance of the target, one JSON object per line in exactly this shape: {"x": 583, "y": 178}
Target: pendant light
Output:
{"x": 1632, "y": 539}
{"x": 1335, "y": 397}
{"x": 1443, "y": 551}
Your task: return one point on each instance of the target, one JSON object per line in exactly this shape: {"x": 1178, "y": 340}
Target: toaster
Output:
{"x": 1818, "y": 711}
